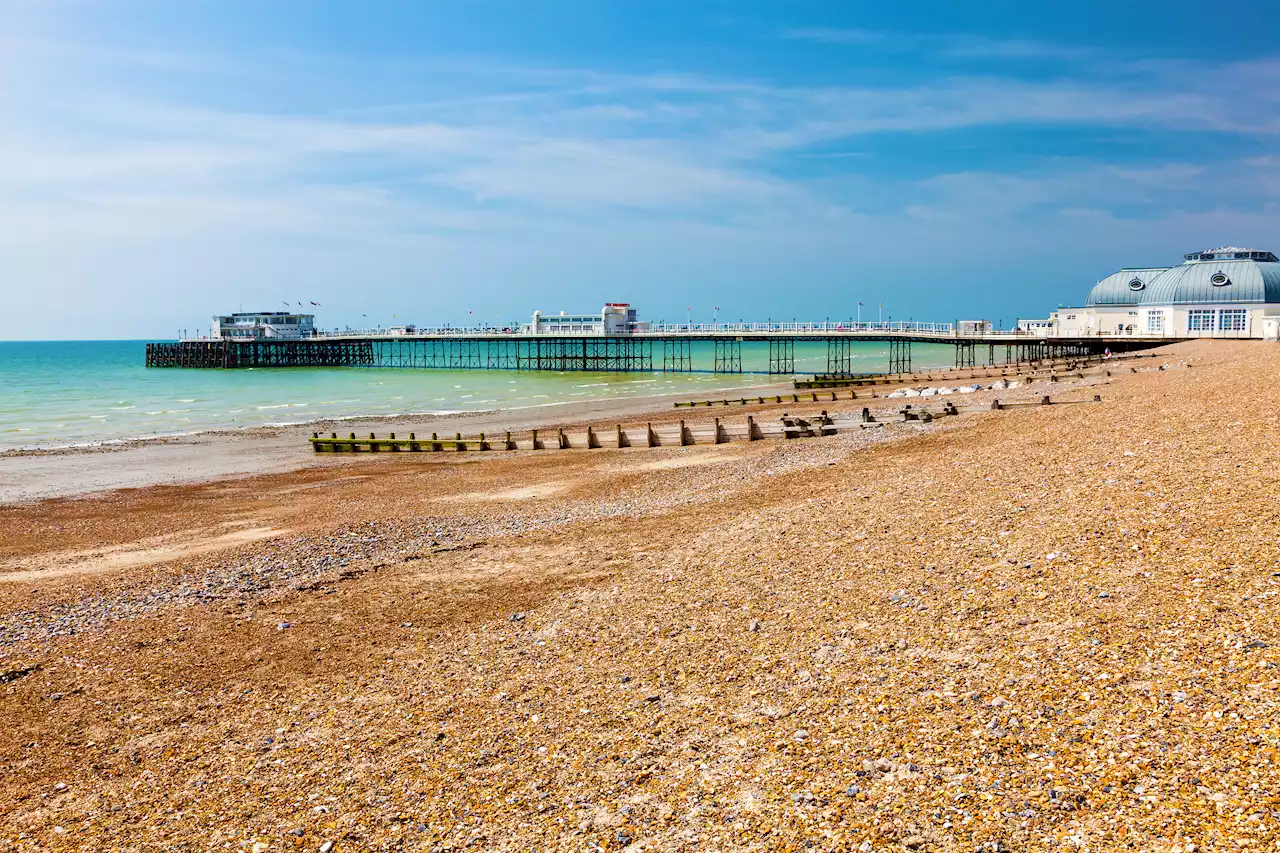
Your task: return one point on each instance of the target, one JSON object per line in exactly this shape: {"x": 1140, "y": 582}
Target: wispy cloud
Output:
{"x": 958, "y": 46}
{"x": 586, "y": 174}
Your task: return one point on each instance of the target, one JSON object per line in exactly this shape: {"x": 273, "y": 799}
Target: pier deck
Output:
{"x": 669, "y": 351}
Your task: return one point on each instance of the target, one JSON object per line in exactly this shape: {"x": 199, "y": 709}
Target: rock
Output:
{"x": 283, "y": 626}
{"x": 852, "y": 791}
{"x": 827, "y": 653}
{"x": 754, "y": 626}
{"x": 259, "y": 847}
{"x": 326, "y": 847}
{"x": 55, "y": 696}
{"x": 60, "y": 787}
{"x": 299, "y": 832}
{"x": 801, "y": 734}
{"x": 1179, "y": 696}
{"x": 913, "y": 842}
{"x": 516, "y": 617}
{"x": 1256, "y": 644}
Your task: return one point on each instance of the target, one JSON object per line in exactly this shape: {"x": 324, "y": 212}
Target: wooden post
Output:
{"x": 752, "y": 433}
{"x": 535, "y": 440}
{"x": 685, "y": 439}
{"x": 717, "y": 439}
{"x": 622, "y": 437}
{"x": 995, "y": 404}
{"x": 592, "y": 441}
{"x": 413, "y": 443}
{"x": 650, "y": 436}
{"x": 507, "y": 443}
{"x": 1044, "y": 401}
{"x": 435, "y": 445}
{"x": 866, "y": 416}
{"x": 562, "y": 439}
{"x": 484, "y": 445}
{"x": 1097, "y": 398}
{"x": 458, "y": 445}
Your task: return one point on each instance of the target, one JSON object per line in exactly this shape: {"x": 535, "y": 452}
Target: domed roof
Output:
{"x": 1216, "y": 280}
{"x": 1123, "y": 288}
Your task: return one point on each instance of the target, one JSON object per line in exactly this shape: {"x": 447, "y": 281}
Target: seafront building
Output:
{"x": 1224, "y": 292}
{"x": 616, "y": 318}
{"x": 257, "y": 325}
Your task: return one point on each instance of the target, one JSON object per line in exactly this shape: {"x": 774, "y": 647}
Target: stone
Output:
{"x": 283, "y": 626}
{"x": 326, "y": 847}
{"x": 754, "y": 626}
{"x": 516, "y": 617}
{"x": 801, "y": 734}
{"x": 852, "y": 791}
{"x": 61, "y": 786}
{"x": 913, "y": 842}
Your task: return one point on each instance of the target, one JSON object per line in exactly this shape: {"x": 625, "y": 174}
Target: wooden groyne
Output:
{"x": 680, "y": 434}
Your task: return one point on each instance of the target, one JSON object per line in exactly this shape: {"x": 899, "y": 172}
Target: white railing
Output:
{"x": 665, "y": 329}
{"x": 823, "y": 328}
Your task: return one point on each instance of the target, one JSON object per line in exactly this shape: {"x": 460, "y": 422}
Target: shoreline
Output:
{"x": 131, "y": 463}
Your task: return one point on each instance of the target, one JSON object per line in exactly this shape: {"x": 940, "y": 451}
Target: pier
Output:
{"x": 665, "y": 348}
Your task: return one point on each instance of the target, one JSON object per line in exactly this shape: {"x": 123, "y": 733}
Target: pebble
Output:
{"x": 326, "y": 847}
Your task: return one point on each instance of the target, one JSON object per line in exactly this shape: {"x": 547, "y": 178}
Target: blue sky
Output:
{"x": 443, "y": 161}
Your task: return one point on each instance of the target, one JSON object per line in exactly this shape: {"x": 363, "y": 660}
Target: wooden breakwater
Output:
{"x": 680, "y": 434}
{"x": 1043, "y": 367}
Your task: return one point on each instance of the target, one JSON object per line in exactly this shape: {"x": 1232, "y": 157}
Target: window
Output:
{"x": 1155, "y": 321}
{"x": 1233, "y": 320}
{"x": 1200, "y": 320}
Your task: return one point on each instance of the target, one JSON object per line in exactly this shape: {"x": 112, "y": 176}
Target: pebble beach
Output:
{"x": 1040, "y": 628}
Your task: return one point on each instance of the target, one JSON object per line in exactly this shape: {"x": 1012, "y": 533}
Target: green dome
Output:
{"x": 1217, "y": 280}
{"x": 1123, "y": 288}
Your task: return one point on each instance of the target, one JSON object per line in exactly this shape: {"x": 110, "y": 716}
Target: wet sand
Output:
{"x": 36, "y": 475}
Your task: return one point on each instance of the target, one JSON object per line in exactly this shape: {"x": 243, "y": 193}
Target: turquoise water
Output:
{"x": 59, "y": 393}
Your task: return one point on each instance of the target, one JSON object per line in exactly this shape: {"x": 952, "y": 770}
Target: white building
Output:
{"x": 616, "y": 318}
{"x": 1228, "y": 292}
{"x": 264, "y": 324}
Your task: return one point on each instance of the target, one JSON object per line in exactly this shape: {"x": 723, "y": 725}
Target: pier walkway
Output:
{"x": 664, "y": 347}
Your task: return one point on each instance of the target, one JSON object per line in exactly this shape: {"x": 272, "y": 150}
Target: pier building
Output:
{"x": 263, "y": 325}
{"x": 1228, "y": 292}
{"x": 615, "y": 318}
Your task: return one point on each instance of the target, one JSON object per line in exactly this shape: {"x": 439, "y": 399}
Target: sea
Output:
{"x": 73, "y": 393}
